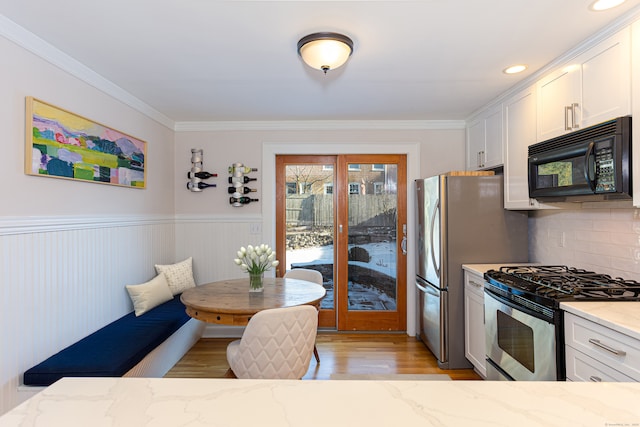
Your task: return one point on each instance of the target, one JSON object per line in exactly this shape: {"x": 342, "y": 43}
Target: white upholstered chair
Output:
{"x": 310, "y": 276}
{"x": 276, "y": 344}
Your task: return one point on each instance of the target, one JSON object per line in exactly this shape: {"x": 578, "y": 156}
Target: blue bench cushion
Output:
{"x": 114, "y": 349}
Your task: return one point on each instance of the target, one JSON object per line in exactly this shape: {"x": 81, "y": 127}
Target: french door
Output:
{"x": 345, "y": 216}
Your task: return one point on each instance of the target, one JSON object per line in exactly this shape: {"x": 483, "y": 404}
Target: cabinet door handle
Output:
{"x": 574, "y": 122}
{"x": 597, "y": 343}
{"x": 595, "y": 379}
{"x": 567, "y": 108}
{"x": 476, "y": 284}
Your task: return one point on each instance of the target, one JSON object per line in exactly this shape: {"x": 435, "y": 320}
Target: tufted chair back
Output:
{"x": 276, "y": 344}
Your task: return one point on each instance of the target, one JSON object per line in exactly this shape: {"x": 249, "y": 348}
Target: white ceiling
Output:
{"x": 214, "y": 60}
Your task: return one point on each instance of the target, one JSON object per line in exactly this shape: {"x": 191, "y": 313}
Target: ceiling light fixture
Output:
{"x": 599, "y": 5}
{"x": 325, "y": 51}
{"x": 514, "y": 69}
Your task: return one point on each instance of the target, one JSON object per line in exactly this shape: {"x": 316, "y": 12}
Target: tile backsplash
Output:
{"x": 604, "y": 240}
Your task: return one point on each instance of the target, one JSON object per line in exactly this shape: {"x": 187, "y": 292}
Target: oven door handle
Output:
{"x": 587, "y": 167}
{"x": 518, "y": 307}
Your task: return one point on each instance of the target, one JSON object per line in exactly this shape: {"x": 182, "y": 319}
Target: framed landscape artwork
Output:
{"x": 62, "y": 144}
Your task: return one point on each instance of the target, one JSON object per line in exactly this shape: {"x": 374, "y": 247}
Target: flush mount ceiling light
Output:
{"x": 325, "y": 51}
{"x": 514, "y": 69}
{"x": 605, "y": 4}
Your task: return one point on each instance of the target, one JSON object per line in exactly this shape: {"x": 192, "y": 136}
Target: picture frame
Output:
{"x": 62, "y": 144}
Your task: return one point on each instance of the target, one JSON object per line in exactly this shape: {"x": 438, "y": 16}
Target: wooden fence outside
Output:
{"x": 316, "y": 210}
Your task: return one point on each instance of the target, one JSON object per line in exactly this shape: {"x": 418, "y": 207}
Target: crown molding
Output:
{"x": 29, "y": 41}
{"x": 307, "y": 125}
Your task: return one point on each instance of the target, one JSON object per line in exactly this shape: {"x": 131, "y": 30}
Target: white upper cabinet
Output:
{"x": 484, "y": 140}
{"x": 635, "y": 122}
{"x": 519, "y": 133}
{"x": 592, "y": 88}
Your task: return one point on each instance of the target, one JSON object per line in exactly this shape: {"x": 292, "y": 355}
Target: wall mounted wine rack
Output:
{"x": 238, "y": 181}
{"x": 197, "y": 174}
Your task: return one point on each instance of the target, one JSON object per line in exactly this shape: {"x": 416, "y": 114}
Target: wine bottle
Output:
{"x": 200, "y": 185}
{"x": 241, "y": 200}
{"x": 240, "y": 179}
{"x": 242, "y": 169}
{"x": 241, "y": 190}
{"x": 201, "y": 175}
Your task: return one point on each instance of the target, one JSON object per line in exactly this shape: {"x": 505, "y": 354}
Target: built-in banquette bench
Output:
{"x": 144, "y": 343}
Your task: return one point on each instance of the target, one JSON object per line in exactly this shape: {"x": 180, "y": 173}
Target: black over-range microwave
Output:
{"x": 590, "y": 164}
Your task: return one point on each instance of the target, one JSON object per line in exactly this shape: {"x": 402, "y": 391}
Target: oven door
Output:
{"x": 519, "y": 343}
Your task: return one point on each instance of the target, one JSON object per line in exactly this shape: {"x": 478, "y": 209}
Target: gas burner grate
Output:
{"x": 562, "y": 282}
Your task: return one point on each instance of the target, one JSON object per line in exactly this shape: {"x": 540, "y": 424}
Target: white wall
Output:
{"x": 68, "y": 248}
{"x": 597, "y": 238}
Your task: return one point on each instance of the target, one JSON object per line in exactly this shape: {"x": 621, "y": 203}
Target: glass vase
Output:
{"x": 256, "y": 282}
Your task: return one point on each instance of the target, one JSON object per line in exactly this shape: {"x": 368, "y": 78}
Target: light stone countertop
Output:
{"x": 249, "y": 403}
{"x": 622, "y": 316}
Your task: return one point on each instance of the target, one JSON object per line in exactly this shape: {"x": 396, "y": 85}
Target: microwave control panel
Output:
{"x": 605, "y": 167}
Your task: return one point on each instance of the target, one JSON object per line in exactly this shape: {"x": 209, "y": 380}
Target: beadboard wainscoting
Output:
{"x": 602, "y": 237}
{"x": 65, "y": 277}
{"x": 213, "y": 241}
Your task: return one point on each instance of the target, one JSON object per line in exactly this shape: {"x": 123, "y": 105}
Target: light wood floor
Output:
{"x": 340, "y": 353}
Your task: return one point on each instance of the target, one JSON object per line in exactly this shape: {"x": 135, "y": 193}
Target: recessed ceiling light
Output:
{"x": 514, "y": 69}
{"x": 599, "y": 5}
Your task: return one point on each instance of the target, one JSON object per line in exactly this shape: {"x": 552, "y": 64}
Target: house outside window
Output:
{"x": 328, "y": 189}
{"x": 327, "y": 167}
{"x": 378, "y": 187}
{"x": 354, "y": 188}
{"x": 292, "y": 188}
{"x": 377, "y": 167}
{"x": 354, "y": 167}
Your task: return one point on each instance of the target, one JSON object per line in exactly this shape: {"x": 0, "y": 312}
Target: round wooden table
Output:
{"x": 229, "y": 302}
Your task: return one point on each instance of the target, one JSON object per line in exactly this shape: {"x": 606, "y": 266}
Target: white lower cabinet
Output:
{"x": 597, "y": 353}
{"x": 474, "y": 336}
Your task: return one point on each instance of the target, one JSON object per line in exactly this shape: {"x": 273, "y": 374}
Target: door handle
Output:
{"x": 597, "y": 343}
{"x": 403, "y": 244}
{"x": 587, "y": 164}
{"x": 566, "y": 117}
{"x": 433, "y": 225}
{"x": 574, "y": 122}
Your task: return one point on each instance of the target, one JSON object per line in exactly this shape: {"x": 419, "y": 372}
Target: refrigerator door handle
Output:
{"x": 436, "y": 267}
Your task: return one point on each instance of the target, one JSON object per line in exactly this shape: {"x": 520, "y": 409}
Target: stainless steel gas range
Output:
{"x": 523, "y": 321}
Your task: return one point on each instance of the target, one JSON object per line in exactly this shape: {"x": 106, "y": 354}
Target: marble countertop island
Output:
{"x": 250, "y": 403}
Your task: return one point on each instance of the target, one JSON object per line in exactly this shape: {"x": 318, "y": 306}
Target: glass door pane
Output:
{"x": 372, "y": 239}
{"x": 309, "y": 222}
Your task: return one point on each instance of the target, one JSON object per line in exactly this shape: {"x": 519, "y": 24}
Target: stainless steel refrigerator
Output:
{"x": 461, "y": 220}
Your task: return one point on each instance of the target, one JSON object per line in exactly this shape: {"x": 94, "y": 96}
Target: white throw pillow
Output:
{"x": 149, "y": 295}
{"x": 179, "y": 276}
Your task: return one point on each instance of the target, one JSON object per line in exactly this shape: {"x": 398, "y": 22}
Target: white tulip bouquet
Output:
{"x": 256, "y": 259}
